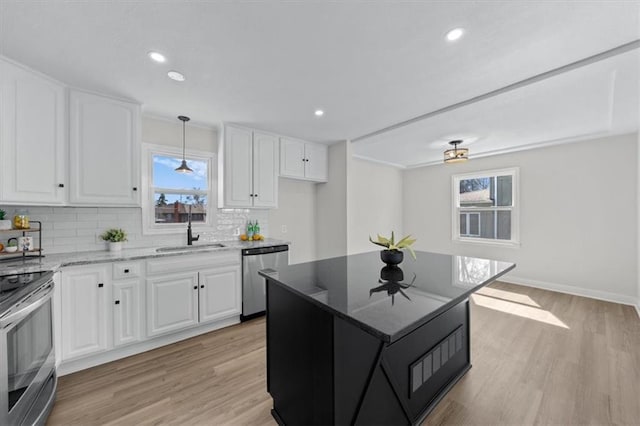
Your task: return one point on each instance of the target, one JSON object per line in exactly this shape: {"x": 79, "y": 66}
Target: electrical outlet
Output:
{"x": 284, "y": 229}
{"x": 236, "y": 232}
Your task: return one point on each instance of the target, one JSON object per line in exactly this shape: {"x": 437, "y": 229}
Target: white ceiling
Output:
{"x": 596, "y": 100}
{"x": 367, "y": 64}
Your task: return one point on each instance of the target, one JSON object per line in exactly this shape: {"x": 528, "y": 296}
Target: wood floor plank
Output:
{"x": 538, "y": 358}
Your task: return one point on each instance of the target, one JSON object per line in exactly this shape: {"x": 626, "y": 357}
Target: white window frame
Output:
{"x": 149, "y": 225}
{"x": 468, "y": 221}
{"x": 456, "y": 210}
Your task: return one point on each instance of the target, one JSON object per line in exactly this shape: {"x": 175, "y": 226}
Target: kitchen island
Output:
{"x": 352, "y": 341}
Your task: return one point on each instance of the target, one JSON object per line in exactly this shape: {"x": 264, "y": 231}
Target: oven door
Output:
{"x": 26, "y": 354}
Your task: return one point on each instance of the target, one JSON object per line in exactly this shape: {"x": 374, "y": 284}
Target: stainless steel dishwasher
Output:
{"x": 254, "y": 286}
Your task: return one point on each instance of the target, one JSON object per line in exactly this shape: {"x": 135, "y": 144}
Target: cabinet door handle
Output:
{"x": 61, "y": 185}
{"x": 202, "y": 286}
{"x": 135, "y": 188}
{"x": 117, "y": 302}
{"x": 255, "y": 195}
{"x": 195, "y": 287}
{"x": 100, "y": 285}
{"x": 126, "y": 271}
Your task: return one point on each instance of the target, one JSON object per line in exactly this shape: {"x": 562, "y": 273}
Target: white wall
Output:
{"x": 374, "y": 204}
{"x": 297, "y": 212}
{"x": 331, "y": 205}
{"x": 164, "y": 131}
{"x": 578, "y": 218}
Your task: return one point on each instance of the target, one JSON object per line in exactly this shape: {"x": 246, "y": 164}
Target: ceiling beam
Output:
{"x": 619, "y": 50}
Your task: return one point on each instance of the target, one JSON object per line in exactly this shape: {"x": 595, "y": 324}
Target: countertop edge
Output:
{"x": 57, "y": 261}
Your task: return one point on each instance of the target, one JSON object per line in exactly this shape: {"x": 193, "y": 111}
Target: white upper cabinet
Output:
{"x": 32, "y": 137}
{"x": 238, "y": 168}
{"x": 291, "y": 158}
{"x": 316, "y": 166}
{"x": 303, "y": 160}
{"x": 104, "y": 151}
{"x": 265, "y": 170}
{"x": 248, "y": 168}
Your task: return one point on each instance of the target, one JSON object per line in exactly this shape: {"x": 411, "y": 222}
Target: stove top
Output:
{"x": 15, "y": 287}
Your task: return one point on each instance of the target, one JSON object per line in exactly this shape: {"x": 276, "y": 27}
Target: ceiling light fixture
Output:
{"x": 175, "y": 75}
{"x": 455, "y": 34}
{"x": 456, "y": 155}
{"x": 158, "y": 57}
{"x": 183, "y": 167}
{"x": 319, "y": 113}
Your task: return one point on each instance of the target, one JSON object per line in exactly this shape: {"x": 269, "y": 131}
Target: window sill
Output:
{"x": 484, "y": 242}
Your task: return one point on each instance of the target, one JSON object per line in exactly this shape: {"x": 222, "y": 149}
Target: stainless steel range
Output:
{"x": 27, "y": 362}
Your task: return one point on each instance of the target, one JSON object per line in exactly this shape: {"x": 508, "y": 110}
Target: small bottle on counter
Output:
{"x": 250, "y": 230}
{"x": 256, "y": 228}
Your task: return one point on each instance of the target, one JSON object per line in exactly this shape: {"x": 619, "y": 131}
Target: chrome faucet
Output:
{"x": 190, "y": 237}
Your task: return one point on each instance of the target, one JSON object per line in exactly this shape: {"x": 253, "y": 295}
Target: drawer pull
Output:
{"x": 117, "y": 302}
{"x": 100, "y": 285}
{"x": 126, "y": 271}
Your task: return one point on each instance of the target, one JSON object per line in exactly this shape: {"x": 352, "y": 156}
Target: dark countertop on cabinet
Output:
{"x": 389, "y": 302}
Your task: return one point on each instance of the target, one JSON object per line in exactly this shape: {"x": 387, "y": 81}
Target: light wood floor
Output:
{"x": 538, "y": 358}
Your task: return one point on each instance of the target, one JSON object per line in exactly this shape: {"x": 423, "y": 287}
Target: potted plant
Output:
{"x": 114, "y": 237}
{"x": 392, "y": 255}
{"x": 4, "y": 223}
{"x": 12, "y": 245}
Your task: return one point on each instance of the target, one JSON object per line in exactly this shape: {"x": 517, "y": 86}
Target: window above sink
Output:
{"x": 168, "y": 195}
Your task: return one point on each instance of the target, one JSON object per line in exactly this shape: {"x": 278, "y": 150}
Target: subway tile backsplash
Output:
{"x": 71, "y": 229}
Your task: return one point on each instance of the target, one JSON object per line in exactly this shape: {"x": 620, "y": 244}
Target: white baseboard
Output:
{"x": 71, "y": 366}
{"x": 576, "y": 291}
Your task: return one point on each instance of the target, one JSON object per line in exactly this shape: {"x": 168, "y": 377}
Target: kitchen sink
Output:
{"x": 189, "y": 248}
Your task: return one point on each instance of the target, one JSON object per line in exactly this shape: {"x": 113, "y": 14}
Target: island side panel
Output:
{"x": 299, "y": 358}
{"x": 357, "y": 357}
{"x": 426, "y": 363}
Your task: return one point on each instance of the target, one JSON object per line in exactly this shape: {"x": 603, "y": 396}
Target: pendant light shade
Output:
{"x": 456, "y": 155}
{"x": 183, "y": 167}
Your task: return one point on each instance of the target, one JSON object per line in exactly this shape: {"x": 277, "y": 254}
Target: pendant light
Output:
{"x": 456, "y": 155}
{"x": 183, "y": 167}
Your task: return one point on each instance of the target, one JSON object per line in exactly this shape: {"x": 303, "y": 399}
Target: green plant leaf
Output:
{"x": 380, "y": 242}
{"x": 382, "y": 239}
{"x": 413, "y": 254}
{"x": 404, "y": 239}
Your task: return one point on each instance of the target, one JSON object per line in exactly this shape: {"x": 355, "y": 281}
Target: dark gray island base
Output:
{"x": 352, "y": 341}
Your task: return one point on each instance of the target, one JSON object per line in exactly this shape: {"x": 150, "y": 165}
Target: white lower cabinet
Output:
{"x": 220, "y": 293}
{"x": 111, "y": 310}
{"x": 182, "y": 300}
{"x": 85, "y": 311}
{"x": 127, "y": 312}
{"x": 172, "y": 303}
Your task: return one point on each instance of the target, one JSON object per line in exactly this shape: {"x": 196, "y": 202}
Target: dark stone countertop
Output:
{"x": 382, "y": 300}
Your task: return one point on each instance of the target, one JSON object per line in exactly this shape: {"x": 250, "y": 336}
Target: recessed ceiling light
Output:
{"x": 319, "y": 113}
{"x": 175, "y": 75}
{"x": 455, "y": 34}
{"x": 158, "y": 57}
